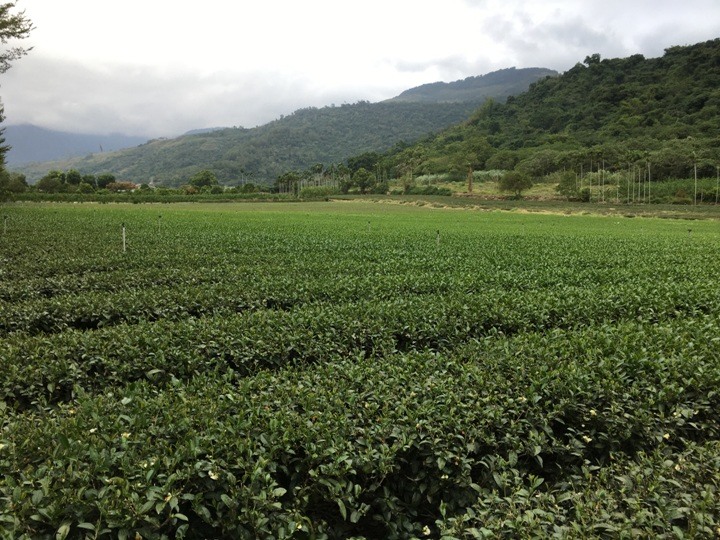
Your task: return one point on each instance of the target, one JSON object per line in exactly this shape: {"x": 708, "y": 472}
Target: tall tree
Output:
{"x": 13, "y": 26}
{"x": 204, "y": 178}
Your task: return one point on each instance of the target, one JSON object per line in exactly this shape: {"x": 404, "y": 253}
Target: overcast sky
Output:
{"x": 162, "y": 67}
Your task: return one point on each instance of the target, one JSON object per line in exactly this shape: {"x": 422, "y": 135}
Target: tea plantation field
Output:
{"x": 356, "y": 370}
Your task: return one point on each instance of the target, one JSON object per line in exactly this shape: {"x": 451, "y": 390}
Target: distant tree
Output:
{"x": 592, "y": 59}
{"x": 341, "y": 170}
{"x": 52, "y": 182}
{"x": 73, "y": 177}
{"x": 104, "y": 179}
{"x": 12, "y": 182}
{"x": 541, "y": 162}
{"x": 368, "y": 161}
{"x": 345, "y": 184}
{"x": 204, "y": 178}
{"x": 516, "y": 182}
{"x": 567, "y": 184}
{"x": 380, "y": 188}
{"x": 317, "y": 169}
{"x": 248, "y": 188}
{"x": 502, "y": 160}
{"x": 84, "y": 187}
{"x": 363, "y": 179}
{"x": 288, "y": 182}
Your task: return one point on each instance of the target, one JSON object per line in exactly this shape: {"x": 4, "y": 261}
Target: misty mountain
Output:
{"x": 31, "y": 144}
{"x": 497, "y": 85}
{"x": 201, "y": 131}
{"x": 302, "y": 139}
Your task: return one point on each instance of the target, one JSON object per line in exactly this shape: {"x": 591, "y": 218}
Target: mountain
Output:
{"x": 35, "y": 144}
{"x": 497, "y": 85}
{"x": 203, "y": 130}
{"x": 297, "y": 141}
{"x": 659, "y": 114}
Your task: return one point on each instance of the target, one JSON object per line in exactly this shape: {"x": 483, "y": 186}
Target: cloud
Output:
{"x": 448, "y": 67}
{"x": 559, "y": 33}
{"x": 557, "y": 43}
{"x": 185, "y": 66}
{"x": 71, "y": 96}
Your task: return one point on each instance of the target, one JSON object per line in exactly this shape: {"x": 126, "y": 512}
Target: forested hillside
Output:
{"x": 297, "y": 141}
{"x": 661, "y": 112}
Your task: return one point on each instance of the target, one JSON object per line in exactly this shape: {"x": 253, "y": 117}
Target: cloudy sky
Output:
{"x": 162, "y": 67}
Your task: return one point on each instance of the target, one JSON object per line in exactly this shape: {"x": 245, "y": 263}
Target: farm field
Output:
{"x": 356, "y": 370}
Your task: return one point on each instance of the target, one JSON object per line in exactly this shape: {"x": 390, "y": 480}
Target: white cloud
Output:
{"x": 167, "y": 66}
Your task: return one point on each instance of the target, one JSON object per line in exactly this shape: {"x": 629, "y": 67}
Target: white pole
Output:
{"x": 627, "y": 187}
{"x": 123, "y": 238}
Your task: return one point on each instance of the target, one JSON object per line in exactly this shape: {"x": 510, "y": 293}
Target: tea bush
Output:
{"x": 316, "y": 371}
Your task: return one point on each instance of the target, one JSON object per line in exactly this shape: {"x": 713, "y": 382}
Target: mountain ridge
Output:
{"x": 656, "y": 115}
{"x": 497, "y": 85}
{"x": 31, "y": 144}
{"x": 307, "y": 136}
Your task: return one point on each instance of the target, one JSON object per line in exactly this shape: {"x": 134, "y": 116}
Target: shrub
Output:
{"x": 428, "y": 190}
{"x": 318, "y": 192}
{"x": 516, "y": 182}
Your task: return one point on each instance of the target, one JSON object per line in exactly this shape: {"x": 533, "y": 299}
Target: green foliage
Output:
{"x": 613, "y": 113}
{"x": 204, "y": 178}
{"x": 515, "y": 181}
{"x": 567, "y": 184}
{"x": 52, "y": 182}
{"x": 427, "y": 190}
{"x": 363, "y": 180}
{"x": 84, "y": 187}
{"x": 294, "y": 142}
{"x": 318, "y": 192}
{"x": 14, "y": 26}
{"x": 305, "y": 138}
{"x": 12, "y": 182}
{"x": 368, "y": 161}
{"x": 248, "y": 188}
{"x": 73, "y": 177}
{"x": 353, "y": 370}
{"x": 104, "y": 179}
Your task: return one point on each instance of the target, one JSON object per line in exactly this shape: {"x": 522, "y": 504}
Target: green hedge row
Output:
{"x": 192, "y": 338}
{"x": 498, "y": 433}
